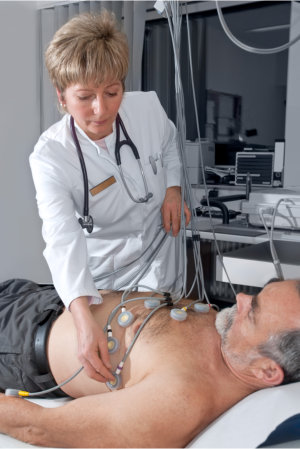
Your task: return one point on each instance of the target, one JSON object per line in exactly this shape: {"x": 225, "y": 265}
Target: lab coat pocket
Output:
{"x": 155, "y": 160}
{"x": 155, "y": 176}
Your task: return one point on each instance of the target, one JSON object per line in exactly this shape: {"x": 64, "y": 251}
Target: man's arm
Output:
{"x": 151, "y": 413}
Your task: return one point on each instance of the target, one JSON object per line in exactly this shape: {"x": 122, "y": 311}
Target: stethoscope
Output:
{"x": 87, "y": 221}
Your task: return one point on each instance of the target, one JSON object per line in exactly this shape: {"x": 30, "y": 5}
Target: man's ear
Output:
{"x": 267, "y": 372}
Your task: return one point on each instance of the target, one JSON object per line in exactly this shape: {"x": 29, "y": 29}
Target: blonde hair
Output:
{"x": 88, "y": 48}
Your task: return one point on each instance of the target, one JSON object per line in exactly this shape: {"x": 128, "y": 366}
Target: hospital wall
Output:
{"x": 21, "y": 243}
{"x": 292, "y": 119}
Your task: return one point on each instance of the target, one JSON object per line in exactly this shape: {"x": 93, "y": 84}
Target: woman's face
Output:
{"x": 94, "y": 108}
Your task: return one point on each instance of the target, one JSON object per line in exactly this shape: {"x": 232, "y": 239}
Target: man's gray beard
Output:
{"x": 224, "y": 321}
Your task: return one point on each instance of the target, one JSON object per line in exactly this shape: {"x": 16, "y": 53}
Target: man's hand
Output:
{"x": 92, "y": 343}
{"x": 171, "y": 210}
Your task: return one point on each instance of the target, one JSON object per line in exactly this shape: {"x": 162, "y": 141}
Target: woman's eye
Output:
{"x": 111, "y": 94}
{"x": 84, "y": 98}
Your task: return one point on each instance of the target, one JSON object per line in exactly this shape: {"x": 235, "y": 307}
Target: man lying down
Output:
{"x": 178, "y": 378}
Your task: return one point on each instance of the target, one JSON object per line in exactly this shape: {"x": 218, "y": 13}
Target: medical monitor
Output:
{"x": 225, "y": 153}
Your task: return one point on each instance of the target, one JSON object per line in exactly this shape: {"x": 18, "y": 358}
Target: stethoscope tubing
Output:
{"x": 83, "y": 169}
{"x": 87, "y": 221}
{"x": 120, "y": 143}
{"x": 127, "y": 141}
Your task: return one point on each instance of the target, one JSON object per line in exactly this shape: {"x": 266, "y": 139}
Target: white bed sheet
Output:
{"x": 246, "y": 425}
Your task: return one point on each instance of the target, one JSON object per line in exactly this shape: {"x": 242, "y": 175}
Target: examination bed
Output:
{"x": 246, "y": 425}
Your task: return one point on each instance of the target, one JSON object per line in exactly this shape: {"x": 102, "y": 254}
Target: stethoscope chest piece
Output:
{"x": 87, "y": 223}
{"x": 116, "y": 383}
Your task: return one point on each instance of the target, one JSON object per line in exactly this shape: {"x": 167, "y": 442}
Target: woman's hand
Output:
{"x": 92, "y": 343}
{"x": 171, "y": 210}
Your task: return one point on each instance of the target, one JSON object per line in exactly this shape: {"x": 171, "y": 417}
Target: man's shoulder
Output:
{"x": 170, "y": 394}
{"x": 188, "y": 403}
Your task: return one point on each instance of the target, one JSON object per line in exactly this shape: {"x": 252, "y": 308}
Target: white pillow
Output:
{"x": 251, "y": 420}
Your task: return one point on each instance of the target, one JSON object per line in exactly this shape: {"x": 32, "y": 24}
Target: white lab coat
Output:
{"x": 122, "y": 228}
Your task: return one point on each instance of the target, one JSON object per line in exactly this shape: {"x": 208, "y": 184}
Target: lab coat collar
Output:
{"x": 109, "y": 140}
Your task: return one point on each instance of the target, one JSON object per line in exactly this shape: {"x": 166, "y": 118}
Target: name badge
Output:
{"x": 103, "y": 185}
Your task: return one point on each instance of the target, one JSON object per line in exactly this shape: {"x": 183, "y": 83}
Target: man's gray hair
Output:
{"x": 284, "y": 349}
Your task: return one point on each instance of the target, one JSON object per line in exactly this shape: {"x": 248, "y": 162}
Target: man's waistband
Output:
{"x": 41, "y": 339}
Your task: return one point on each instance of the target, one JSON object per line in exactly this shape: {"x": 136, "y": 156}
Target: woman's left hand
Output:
{"x": 171, "y": 210}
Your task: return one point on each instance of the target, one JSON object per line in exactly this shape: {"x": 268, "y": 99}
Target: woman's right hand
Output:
{"x": 92, "y": 343}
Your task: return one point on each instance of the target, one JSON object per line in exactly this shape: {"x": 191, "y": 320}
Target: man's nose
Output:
{"x": 243, "y": 302}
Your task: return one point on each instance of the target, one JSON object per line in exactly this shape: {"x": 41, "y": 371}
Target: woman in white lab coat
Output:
{"x": 87, "y": 61}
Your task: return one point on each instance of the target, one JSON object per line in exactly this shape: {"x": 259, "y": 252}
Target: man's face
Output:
{"x": 255, "y": 318}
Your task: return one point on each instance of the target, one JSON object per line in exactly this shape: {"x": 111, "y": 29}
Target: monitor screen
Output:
{"x": 225, "y": 153}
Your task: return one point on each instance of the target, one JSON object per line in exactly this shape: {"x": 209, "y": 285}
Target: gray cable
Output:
{"x": 105, "y": 275}
{"x": 260, "y": 51}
